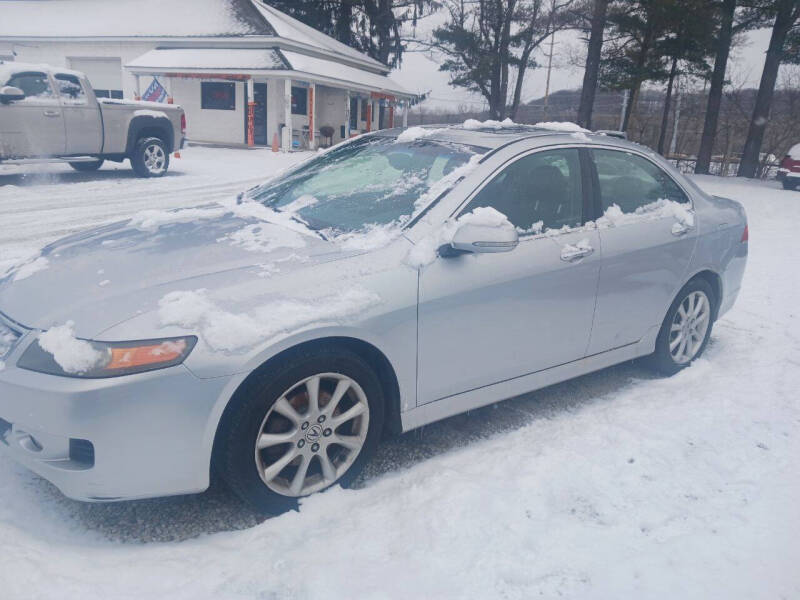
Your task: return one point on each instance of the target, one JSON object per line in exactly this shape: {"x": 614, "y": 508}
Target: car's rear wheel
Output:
{"x": 303, "y": 425}
{"x": 87, "y": 166}
{"x": 686, "y": 329}
{"x": 789, "y": 183}
{"x": 150, "y": 157}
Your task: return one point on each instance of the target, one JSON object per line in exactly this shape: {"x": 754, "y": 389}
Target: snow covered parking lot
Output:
{"x": 615, "y": 485}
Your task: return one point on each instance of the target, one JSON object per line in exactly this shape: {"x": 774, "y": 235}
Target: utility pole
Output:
{"x": 625, "y": 99}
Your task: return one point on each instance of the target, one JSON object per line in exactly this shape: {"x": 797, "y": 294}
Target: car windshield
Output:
{"x": 374, "y": 181}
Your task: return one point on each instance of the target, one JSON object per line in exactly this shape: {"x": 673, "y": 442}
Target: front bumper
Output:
{"x": 151, "y": 434}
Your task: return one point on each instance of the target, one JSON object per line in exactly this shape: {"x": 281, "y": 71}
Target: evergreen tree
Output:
{"x": 688, "y": 43}
{"x": 371, "y": 26}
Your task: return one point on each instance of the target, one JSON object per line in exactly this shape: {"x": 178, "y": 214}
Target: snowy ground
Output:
{"x": 615, "y": 485}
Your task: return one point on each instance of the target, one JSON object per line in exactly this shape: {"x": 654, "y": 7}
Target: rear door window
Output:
{"x": 632, "y": 182}
{"x": 537, "y": 192}
{"x": 70, "y": 89}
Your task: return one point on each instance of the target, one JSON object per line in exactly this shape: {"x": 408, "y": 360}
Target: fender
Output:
{"x": 149, "y": 123}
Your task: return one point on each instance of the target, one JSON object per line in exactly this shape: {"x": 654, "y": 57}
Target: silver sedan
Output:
{"x": 397, "y": 279}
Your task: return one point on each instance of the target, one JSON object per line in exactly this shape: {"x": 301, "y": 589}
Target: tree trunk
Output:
{"x": 592, "y": 69}
{"x": 633, "y": 98}
{"x": 662, "y": 134}
{"x": 715, "y": 93}
{"x": 755, "y": 136}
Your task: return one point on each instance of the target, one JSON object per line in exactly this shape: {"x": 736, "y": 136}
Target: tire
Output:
{"x": 668, "y": 358}
{"x": 788, "y": 184}
{"x": 150, "y": 157}
{"x": 86, "y": 167}
{"x": 266, "y": 476}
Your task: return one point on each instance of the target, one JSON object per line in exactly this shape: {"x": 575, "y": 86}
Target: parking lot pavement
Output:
{"x": 40, "y": 203}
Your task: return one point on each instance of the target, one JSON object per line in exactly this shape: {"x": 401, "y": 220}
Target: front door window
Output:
{"x": 539, "y": 192}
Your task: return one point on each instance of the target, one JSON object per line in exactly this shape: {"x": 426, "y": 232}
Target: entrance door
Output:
{"x": 260, "y": 120}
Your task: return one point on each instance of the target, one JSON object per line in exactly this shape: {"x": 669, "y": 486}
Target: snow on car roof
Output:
{"x": 493, "y": 134}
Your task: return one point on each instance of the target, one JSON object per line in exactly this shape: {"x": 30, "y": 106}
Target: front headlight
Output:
{"x": 72, "y": 357}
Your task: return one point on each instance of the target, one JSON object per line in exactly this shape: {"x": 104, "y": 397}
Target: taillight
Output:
{"x": 745, "y": 235}
{"x": 183, "y": 122}
{"x": 785, "y": 162}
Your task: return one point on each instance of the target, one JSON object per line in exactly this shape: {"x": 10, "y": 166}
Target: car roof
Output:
{"x": 493, "y": 136}
{"x": 7, "y": 69}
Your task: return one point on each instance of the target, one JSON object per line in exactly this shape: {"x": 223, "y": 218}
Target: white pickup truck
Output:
{"x": 48, "y": 113}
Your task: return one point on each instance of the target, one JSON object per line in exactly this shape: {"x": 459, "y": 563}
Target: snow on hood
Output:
{"x": 110, "y": 274}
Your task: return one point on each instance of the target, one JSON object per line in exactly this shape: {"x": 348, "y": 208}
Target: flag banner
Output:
{"x": 155, "y": 92}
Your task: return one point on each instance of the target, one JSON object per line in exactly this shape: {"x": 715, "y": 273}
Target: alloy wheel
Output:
{"x": 312, "y": 434}
{"x": 155, "y": 159}
{"x": 689, "y": 327}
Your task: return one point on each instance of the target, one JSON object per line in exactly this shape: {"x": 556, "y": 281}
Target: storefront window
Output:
{"x": 218, "y": 95}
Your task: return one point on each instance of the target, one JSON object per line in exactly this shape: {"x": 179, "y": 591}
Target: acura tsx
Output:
{"x": 394, "y": 280}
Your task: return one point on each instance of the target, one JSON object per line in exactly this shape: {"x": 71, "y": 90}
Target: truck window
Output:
{"x": 70, "y": 89}
{"x": 35, "y": 85}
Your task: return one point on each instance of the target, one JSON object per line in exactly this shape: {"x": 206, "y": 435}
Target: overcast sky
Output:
{"x": 420, "y": 70}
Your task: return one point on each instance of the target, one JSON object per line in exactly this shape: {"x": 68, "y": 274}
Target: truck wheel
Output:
{"x": 150, "y": 157}
{"x": 85, "y": 167}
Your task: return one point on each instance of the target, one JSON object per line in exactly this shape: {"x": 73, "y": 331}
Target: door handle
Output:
{"x": 571, "y": 253}
{"x": 52, "y": 113}
{"x": 679, "y": 228}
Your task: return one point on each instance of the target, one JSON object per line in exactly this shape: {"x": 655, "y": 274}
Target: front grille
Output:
{"x": 8, "y": 338}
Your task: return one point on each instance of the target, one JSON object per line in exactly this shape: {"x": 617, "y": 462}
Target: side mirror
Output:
{"x": 475, "y": 239}
{"x": 9, "y": 93}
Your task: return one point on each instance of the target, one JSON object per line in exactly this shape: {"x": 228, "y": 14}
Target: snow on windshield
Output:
{"x": 372, "y": 183}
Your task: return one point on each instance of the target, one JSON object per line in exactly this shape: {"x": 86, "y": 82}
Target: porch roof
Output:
{"x": 264, "y": 61}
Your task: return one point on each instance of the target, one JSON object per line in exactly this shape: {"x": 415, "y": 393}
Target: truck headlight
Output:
{"x": 110, "y": 359}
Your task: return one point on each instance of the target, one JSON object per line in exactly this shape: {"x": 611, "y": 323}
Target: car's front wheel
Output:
{"x": 150, "y": 157}
{"x": 303, "y": 425}
{"x": 686, "y": 329}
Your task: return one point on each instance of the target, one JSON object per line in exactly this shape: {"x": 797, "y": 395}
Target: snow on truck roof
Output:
{"x": 163, "y": 19}
{"x": 9, "y": 68}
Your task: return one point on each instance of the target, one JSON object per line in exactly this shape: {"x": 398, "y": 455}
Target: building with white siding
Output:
{"x": 243, "y": 71}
